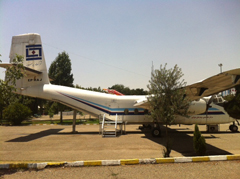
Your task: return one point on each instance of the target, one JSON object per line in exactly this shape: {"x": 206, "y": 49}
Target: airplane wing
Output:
{"x": 210, "y": 86}
{"x": 213, "y": 85}
{"x": 142, "y": 103}
{"x": 29, "y": 71}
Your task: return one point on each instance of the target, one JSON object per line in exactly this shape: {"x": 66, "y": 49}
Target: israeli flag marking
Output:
{"x": 33, "y": 52}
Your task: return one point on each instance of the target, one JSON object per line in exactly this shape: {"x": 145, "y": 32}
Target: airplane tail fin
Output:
{"x": 30, "y": 47}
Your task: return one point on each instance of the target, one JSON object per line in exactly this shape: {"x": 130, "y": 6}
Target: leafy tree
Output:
{"x": 228, "y": 97}
{"x": 199, "y": 143}
{"x": 50, "y": 113}
{"x": 13, "y": 73}
{"x": 30, "y": 102}
{"x": 120, "y": 88}
{"x": 138, "y": 91}
{"x": 16, "y": 113}
{"x": 127, "y": 91}
{"x": 60, "y": 72}
{"x": 233, "y": 105}
{"x": 167, "y": 97}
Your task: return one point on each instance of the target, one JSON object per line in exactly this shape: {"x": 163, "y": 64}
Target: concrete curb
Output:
{"x": 42, "y": 165}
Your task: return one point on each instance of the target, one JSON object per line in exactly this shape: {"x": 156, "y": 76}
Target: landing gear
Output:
{"x": 233, "y": 127}
{"x": 212, "y": 128}
{"x": 155, "y": 129}
{"x": 156, "y": 132}
{"x": 147, "y": 126}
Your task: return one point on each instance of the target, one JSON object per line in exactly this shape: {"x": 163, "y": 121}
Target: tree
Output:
{"x": 233, "y": 105}
{"x": 127, "y": 91}
{"x": 167, "y": 99}
{"x": 60, "y": 72}
{"x": 7, "y": 87}
{"x": 121, "y": 88}
{"x": 15, "y": 113}
{"x": 199, "y": 143}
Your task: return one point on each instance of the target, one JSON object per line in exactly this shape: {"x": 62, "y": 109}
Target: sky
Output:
{"x": 116, "y": 41}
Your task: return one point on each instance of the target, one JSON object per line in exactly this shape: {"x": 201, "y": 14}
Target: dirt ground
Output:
{"x": 57, "y": 143}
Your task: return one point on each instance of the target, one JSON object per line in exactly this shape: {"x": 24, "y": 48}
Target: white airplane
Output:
{"x": 130, "y": 109}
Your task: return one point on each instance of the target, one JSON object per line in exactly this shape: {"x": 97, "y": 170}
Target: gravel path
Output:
{"x": 223, "y": 169}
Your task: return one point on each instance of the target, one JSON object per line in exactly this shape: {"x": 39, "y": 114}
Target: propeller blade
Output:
{"x": 208, "y": 104}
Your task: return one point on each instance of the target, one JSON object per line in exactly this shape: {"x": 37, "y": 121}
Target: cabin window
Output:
{"x": 146, "y": 111}
{"x": 126, "y": 111}
{"x": 135, "y": 111}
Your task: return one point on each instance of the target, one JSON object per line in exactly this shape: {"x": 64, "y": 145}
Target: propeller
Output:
{"x": 208, "y": 102}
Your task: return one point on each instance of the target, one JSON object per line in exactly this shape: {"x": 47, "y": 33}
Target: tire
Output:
{"x": 234, "y": 128}
{"x": 156, "y": 132}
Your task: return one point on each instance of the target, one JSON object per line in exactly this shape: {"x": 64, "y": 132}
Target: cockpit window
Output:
{"x": 215, "y": 100}
{"x": 220, "y": 100}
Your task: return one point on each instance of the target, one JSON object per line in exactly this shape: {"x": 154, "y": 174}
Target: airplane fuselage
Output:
{"x": 98, "y": 104}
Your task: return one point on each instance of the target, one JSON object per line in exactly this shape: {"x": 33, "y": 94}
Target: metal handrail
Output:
{"x": 116, "y": 126}
{"x": 116, "y": 121}
{"x": 103, "y": 121}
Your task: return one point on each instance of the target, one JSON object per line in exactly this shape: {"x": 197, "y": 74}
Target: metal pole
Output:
{"x": 74, "y": 121}
{"x": 220, "y": 65}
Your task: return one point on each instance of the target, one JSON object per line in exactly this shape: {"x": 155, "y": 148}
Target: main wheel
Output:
{"x": 233, "y": 128}
{"x": 156, "y": 132}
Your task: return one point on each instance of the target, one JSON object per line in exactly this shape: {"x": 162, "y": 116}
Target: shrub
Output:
{"x": 199, "y": 142}
{"x": 16, "y": 113}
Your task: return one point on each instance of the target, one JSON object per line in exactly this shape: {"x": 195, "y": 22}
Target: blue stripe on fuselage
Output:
{"x": 111, "y": 111}
{"x": 213, "y": 111}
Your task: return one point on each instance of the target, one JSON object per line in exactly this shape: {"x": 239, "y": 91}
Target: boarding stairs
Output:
{"x": 109, "y": 128}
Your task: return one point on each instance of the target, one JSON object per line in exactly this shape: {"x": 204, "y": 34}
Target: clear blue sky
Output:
{"x": 115, "y": 42}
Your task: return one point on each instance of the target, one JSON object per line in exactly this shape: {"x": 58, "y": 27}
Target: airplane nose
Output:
{"x": 197, "y": 107}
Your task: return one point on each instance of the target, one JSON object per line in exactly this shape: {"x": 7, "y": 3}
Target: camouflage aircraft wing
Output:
{"x": 210, "y": 86}
{"x": 213, "y": 85}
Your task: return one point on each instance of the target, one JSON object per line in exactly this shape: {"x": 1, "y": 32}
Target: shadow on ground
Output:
{"x": 181, "y": 138}
{"x": 182, "y": 142}
{"x": 35, "y": 136}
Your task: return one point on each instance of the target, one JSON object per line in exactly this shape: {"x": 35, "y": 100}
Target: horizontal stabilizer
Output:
{"x": 28, "y": 71}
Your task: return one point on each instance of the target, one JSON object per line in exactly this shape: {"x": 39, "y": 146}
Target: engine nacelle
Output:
{"x": 197, "y": 107}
